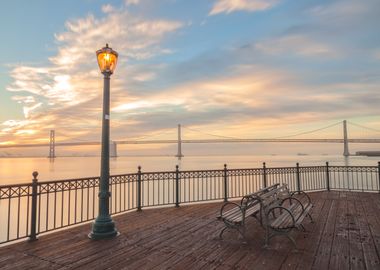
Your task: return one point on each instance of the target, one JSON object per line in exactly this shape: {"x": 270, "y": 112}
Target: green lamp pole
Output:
{"x": 103, "y": 226}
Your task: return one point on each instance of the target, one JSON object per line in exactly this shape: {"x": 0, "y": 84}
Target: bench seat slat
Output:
{"x": 236, "y": 215}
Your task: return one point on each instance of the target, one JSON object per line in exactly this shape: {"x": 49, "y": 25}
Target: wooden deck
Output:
{"x": 345, "y": 235}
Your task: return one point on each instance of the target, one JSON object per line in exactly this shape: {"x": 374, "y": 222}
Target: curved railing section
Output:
{"x": 30, "y": 209}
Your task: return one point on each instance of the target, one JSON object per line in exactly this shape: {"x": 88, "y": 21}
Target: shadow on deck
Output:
{"x": 345, "y": 235}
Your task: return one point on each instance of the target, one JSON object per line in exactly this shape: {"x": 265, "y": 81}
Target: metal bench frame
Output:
{"x": 285, "y": 213}
{"x": 235, "y": 217}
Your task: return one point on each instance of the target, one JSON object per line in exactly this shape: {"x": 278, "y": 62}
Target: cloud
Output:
{"x": 229, "y": 6}
{"x": 345, "y": 18}
{"x": 295, "y": 74}
{"x": 132, "y": 2}
{"x": 273, "y": 98}
{"x": 297, "y": 44}
{"x": 67, "y": 90}
{"x": 376, "y": 54}
{"x": 24, "y": 99}
{"x": 108, "y": 8}
{"x": 341, "y": 9}
{"x": 28, "y": 109}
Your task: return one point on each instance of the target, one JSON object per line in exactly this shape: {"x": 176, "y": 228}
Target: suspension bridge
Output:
{"x": 52, "y": 144}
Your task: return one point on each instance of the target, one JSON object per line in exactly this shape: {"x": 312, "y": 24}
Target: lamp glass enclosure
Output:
{"x": 107, "y": 59}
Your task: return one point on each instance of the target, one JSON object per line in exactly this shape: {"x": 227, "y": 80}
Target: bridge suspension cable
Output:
{"x": 74, "y": 139}
{"x": 364, "y": 127}
{"x": 154, "y": 135}
{"x": 209, "y": 134}
{"x": 307, "y": 132}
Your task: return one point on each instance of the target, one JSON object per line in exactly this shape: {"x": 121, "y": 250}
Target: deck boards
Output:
{"x": 345, "y": 235}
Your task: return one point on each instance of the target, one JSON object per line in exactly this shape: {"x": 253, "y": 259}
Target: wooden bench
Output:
{"x": 234, "y": 214}
{"x": 276, "y": 208}
{"x": 285, "y": 211}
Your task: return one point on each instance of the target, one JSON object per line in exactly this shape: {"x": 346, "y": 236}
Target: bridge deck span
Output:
{"x": 199, "y": 141}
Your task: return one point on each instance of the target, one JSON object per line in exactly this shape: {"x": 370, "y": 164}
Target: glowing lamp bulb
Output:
{"x": 107, "y": 59}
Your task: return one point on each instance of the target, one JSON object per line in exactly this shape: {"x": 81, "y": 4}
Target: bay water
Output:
{"x": 19, "y": 170}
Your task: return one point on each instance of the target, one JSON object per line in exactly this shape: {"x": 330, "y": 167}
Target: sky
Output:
{"x": 237, "y": 68}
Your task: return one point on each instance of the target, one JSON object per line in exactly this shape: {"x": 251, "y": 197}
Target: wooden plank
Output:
{"x": 371, "y": 258}
{"x": 311, "y": 243}
{"x": 322, "y": 256}
{"x": 25, "y": 261}
{"x": 187, "y": 252}
{"x": 274, "y": 257}
{"x": 340, "y": 250}
{"x": 355, "y": 245}
{"x": 146, "y": 243}
{"x": 371, "y": 222}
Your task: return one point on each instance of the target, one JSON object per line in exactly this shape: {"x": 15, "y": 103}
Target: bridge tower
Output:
{"x": 179, "y": 152}
{"x": 113, "y": 149}
{"x": 346, "y": 153}
{"x": 52, "y": 144}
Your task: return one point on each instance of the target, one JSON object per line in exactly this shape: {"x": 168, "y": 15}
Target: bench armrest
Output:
{"x": 291, "y": 199}
{"x": 304, "y": 194}
{"x": 230, "y": 203}
{"x": 247, "y": 200}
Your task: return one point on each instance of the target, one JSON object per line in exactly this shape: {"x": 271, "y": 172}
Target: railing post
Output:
{"x": 176, "y": 186}
{"x": 378, "y": 171}
{"x": 298, "y": 177}
{"x": 139, "y": 189}
{"x": 225, "y": 183}
{"x": 33, "y": 218}
{"x": 327, "y": 176}
{"x": 264, "y": 175}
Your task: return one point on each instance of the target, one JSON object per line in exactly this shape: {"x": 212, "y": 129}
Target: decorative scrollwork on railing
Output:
{"x": 285, "y": 170}
{"x": 353, "y": 169}
{"x": 150, "y": 176}
{"x": 66, "y": 185}
{"x": 200, "y": 174}
{"x": 123, "y": 178}
{"x": 312, "y": 169}
{"x": 9, "y": 192}
{"x": 244, "y": 172}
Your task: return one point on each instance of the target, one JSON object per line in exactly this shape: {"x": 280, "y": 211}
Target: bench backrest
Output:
{"x": 252, "y": 199}
{"x": 274, "y": 197}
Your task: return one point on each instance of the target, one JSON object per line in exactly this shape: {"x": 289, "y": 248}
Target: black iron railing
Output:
{"x": 27, "y": 210}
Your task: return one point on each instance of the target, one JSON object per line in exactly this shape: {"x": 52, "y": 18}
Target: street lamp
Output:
{"x": 104, "y": 227}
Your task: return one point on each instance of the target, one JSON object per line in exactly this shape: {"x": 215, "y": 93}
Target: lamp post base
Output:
{"x": 103, "y": 229}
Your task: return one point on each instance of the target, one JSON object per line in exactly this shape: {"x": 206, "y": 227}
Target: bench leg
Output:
{"x": 269, "y": 236}
{"x": 291, "y": 239}
{"x": 259, "y": 219}
{"x": 311, "y": 219}
{"x": 242, "y": 233}
{"x": 221, "y": 232}
{"x": 302, "y": 227}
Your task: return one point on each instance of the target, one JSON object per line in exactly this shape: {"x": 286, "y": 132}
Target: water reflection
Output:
{"x": 347, "y": 161}
{"x": 19, "y": 170}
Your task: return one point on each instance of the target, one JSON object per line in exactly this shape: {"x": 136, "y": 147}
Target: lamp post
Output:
{"x": 103, "y": 226}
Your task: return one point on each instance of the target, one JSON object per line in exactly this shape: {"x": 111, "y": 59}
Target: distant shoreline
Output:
{"x": 357, "y": 154}
{"x": 368, "y": 153}
{"x": 171, "y": 155}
